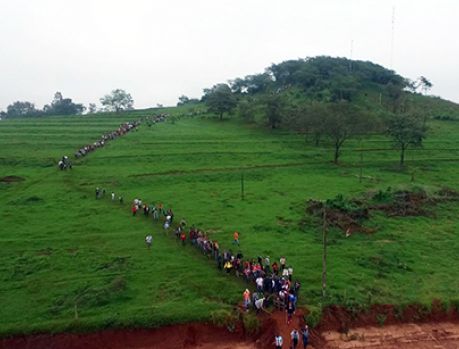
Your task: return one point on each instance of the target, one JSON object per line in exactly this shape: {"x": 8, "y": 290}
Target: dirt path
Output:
{"x": 405, "y": 336}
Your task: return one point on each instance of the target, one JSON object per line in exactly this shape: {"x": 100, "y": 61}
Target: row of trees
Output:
{"x": 328, "y": 100}
{"x": 118, "y": 100}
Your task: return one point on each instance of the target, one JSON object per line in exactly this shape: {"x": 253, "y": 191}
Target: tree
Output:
{"x": 406, "y": 129}
{"x": 314, "y": 117}
{"x": 246, "y": 109}
{"x": 185, "y": 100}
{"x": 341, "y": 122}
{"x": 22, "y": 109}
{"x": 220, "y": 99}
{"x": 63, "y": 106}
{"x": 182, "y": 100}
{"x": 425, "y": 84}
{"x": 118, "y": 100}
{"x": 274, "y": 109}
{"x": 92, "y": 108}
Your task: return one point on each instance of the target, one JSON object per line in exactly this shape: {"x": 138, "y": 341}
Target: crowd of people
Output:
{"x": 64, "y": 163}
{"x": 151, "y": 120}
{"x": 120, "y": 131}
{"x": 272, "y": 280}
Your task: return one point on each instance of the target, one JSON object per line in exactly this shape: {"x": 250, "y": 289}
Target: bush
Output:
{"x": 313, "y": 317}
{"x": 381, "y": 318}
{"x": 225, "y": 318}
{"x": 251, "y": 323}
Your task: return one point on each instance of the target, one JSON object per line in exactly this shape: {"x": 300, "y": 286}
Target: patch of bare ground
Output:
{"x": 441, "y": 335}
{"x": 11, "y": 179}
{"x": 350, "y": 214}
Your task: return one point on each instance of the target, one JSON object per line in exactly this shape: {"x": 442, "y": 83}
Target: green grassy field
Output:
{"x": 63, "y": 252}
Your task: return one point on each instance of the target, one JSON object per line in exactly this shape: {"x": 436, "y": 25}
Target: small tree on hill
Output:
{"x": 341, "y": 122}
{"x": 220, "y": 99}
{"x": 118, "y": 100}
{"x": 246, "y": 109}
{"x": 274, "y": 109}
{"x": 92, "y": 108}
{"x": 425, "y": 84}
{"x": 407, "y": 130}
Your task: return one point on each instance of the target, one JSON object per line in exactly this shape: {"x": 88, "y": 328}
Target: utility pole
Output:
{"x": 361, "y": 163}
{"x": 324, "y": 253}
{"x": 242, "y": 185}
{"x": 392, "y": 39}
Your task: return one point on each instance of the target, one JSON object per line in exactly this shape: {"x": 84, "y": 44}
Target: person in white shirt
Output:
{"x": 148, "y": 240}
{"x": 259, "y": 304}
{"x": 259, "y": 282}
{"x": 290, "y": 273}
{"x": 278, "y": 341}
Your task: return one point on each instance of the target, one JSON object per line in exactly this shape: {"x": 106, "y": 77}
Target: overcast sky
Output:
{"x": 158, "y": 50}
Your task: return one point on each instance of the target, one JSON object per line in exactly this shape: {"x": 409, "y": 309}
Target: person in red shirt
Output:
{"x": 183, "y": 237}
{"x": 134, "y": 209}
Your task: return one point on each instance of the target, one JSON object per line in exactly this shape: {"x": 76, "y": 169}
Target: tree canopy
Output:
{"x": 63, "y": 106}
{"x": 407, "y": 130}
{"x": 117, "y": 101}
{"x": 21, "y": 109}
{"x": 220, "y": 99}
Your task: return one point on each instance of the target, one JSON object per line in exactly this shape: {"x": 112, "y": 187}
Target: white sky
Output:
{"x": 160, "y": 49}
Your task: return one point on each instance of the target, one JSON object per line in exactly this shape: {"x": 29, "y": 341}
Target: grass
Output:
{"x": 69, "y": 261}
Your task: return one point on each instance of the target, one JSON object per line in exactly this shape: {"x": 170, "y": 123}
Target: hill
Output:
{"x": 70, "y": 261}
{"x": 284, "y": 95}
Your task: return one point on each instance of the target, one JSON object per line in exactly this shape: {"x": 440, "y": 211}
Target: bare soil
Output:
{"x": 11, "y": 179}
{"x": 441, "y": 335}
{"x": 404, "y": 203}
{"x": 406, "y": 336}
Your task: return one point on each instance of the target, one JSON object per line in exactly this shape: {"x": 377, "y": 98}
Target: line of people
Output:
{"x": 120, "y": 131}
{"x": 272, "y": 280}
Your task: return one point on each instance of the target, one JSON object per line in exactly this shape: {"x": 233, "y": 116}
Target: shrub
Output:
{"x": 251, "y": 323}
{"x": 225, "y": 318}
{"x": 313, "y": 317}
{"x": 381, "y": 318}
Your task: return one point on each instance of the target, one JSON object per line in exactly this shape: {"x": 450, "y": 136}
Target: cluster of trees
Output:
{"x": 118, "y": 100}
{"x": 330, "y": 99}
{"x": 58, "y": 106}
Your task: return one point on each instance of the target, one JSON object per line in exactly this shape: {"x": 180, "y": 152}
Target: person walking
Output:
{"x": 246, "y": 299}
{"x": 113, "y": 196}
{"x": 290, "y": 312}
{"x": 148, "y": 240}
{"x": 294, "y": 337}
{"x": 305, "y": 335}
{"x": 236, "y": 238}
{"x": 278, "y": 341}
{"x": 282, "y": 262}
